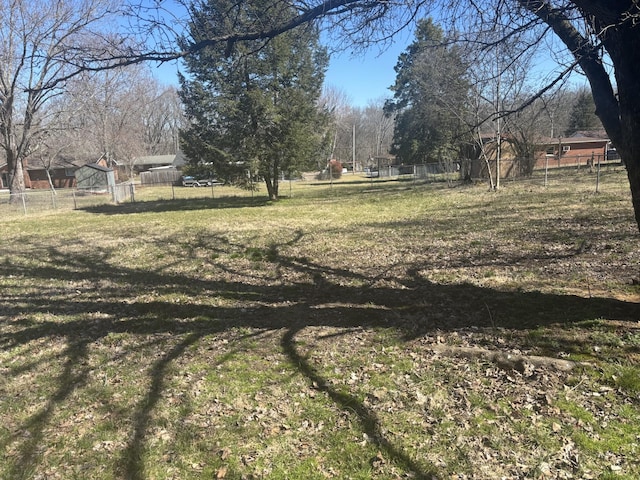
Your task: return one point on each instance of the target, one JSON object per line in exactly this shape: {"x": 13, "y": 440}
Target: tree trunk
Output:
{"x": 619, "y": 111}
{"x": 51, "y": 185}
{"x": 16, "y": 177}
{"x": 633, "y": 172}
{"x": 622, "y": 45}
{"x": 272, "y": 180}
{"x": 276, "y": 179}
{"x": 272, "y": 186}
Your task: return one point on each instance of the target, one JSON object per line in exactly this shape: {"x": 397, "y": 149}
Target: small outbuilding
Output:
{"x": 95, "y": 178}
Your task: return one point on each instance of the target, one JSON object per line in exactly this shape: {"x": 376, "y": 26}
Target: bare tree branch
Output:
{"x": 588, "y": 57}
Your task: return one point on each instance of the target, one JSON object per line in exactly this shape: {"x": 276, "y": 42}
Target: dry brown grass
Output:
{"x": 236, "y": 338}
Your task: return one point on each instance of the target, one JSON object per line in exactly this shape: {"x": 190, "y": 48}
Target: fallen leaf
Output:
{"x": 224, "y": 453}
{"x": 222, "y": 472}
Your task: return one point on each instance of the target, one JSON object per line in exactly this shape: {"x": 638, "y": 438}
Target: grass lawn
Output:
{"x": 366, "y": 329}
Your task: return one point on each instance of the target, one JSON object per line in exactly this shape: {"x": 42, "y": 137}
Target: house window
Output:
{"x": 566, "y": 148}
{"x": 551, "y": 151}
{"x": 69, "y": 172}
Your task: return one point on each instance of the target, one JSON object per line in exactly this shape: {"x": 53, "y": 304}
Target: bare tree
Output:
{"x": 337, "y": 104}
{"x": 39, "y": 40}
{"x": 556, "y": 106}
{"x": 368, "y": 127}
{"x": 378, "y": 129}
{"x": 162, "y": 118}
{"x": 599, "y": 39}
{"x": 117, "y": 115}
{"x": 110, "y": 111}
{"x": 127, "y": 113}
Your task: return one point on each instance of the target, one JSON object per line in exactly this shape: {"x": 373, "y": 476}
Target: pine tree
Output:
{"x": 583, "y": 114}
{"x": 252, "y": 105}
{"x": 430, "y": 96}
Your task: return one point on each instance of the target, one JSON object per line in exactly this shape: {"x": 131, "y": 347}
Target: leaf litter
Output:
{"x": 407, "y": 359}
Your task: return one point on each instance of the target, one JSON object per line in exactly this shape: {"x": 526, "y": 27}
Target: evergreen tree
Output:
{"x": 430, "y": 98}
{"x": 252, "y": 106}
{"x": 583, "y": 114}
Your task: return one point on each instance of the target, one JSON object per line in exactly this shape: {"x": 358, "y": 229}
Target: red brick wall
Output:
{"x": 578, "y": 154}
{"x": 38, "y": 179}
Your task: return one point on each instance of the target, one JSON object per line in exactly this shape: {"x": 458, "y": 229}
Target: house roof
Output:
{"x": 95, "y": 166}
{"x": 154, "y": 160}
{"x": 572, "y": 140}
{"x": 177, "y": 160}
{"x": 600, "y": 134}
{"x": 56, "y": 163}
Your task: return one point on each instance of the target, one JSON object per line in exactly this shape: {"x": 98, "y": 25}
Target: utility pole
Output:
{"x": 498, "y": 153}
{"x": 353, "y": 150}
{"x": 498, "y": 119}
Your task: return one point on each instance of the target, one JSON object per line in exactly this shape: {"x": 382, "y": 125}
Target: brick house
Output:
{"x": 61, "y": 170}
{"x": 62, "y": 173}
{"x": 580, "y": 149}
{"x": 4, "y": 175}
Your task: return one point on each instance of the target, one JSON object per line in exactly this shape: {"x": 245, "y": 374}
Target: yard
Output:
{"x": 355, "y": 330}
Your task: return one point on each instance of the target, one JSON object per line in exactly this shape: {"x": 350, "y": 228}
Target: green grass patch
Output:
{"x": 346, "y": 331}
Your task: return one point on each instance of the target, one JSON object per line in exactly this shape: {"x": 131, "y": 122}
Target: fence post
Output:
{"x": 598, "y": 176}
{"x": 24, "y": 202}
{"x": 132, "y": 190}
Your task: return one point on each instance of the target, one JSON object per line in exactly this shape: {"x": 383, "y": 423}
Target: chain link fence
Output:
{"x": 36, "y": 201}
{"x": 510, "y": 170}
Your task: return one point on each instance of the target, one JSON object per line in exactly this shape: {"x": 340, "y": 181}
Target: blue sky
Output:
{"x": 368, "y": 75}
{"x": 363, "y": 78}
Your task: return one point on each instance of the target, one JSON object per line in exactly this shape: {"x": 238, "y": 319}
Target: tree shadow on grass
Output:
{"x": 178, "y": 205}
{"x": 369, "y": 422}
{"x": 414, "y": 307}
{"x": 30, "y": 437}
